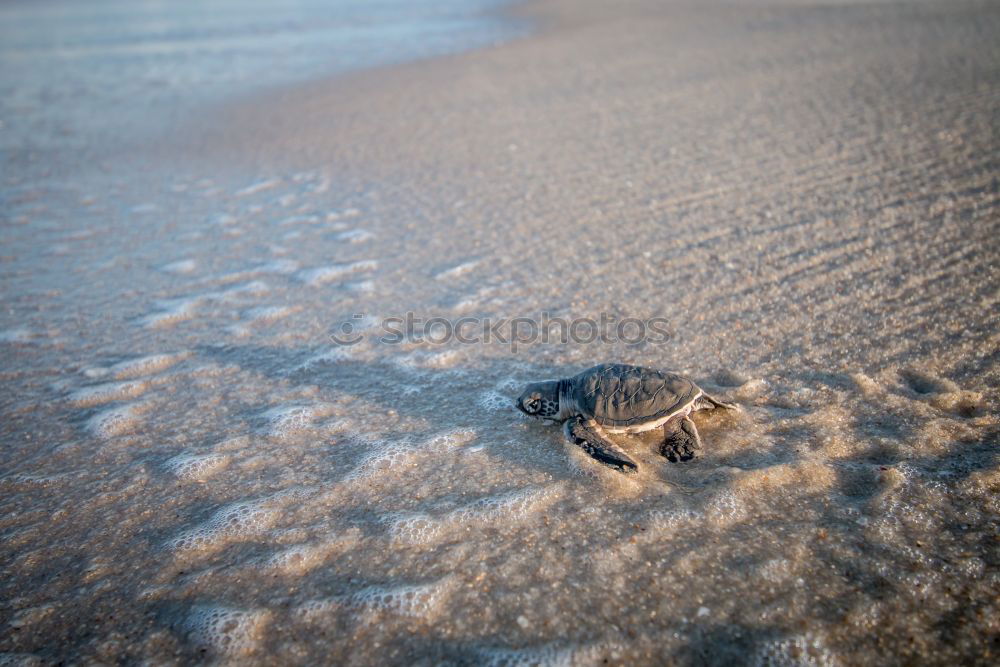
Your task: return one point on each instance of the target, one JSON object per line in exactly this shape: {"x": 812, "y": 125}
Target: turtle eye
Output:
{"x": 532, "y": 405}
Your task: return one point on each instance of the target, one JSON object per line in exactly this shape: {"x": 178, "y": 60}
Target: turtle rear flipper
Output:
{"x": 706, "y": 402}
{"x": 681, "y": 440}
{"x": 585, "y": 434}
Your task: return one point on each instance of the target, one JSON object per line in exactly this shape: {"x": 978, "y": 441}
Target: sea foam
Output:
{"x": 226, "y": 631}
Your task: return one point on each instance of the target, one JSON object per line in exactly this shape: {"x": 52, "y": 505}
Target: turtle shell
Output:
{"x": 621, "y": 396}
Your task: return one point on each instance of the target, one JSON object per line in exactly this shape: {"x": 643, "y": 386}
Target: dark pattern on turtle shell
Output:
{"x": 619, "y": 395}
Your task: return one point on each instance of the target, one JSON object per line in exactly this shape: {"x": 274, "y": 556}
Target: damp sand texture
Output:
{"x": 806, "y": 191}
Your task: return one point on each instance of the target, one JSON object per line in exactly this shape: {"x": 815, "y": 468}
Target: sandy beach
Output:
{"x": 754, "y": 167}
{"x": 803, "y": 193}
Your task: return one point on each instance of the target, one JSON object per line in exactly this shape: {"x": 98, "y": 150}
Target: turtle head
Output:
{"x": 540, "y": 399}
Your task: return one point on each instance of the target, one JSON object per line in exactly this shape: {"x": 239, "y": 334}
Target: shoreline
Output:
{"x": 81, "y": 96}
{"x": 540, "y": 139}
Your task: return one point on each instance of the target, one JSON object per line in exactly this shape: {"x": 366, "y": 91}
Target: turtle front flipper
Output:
{"x": 585, "y": 434}
{"x": 681, "y": 441}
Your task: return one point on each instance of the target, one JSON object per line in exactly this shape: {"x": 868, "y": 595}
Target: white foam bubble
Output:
{"x": 776, "y": 570}
{"x": 382, "y": 457}
{"x": 385, "y": 455}
{"x": 316, "y": 610}
{"x": 343, "y": 213}
{"x": 17, "y": 336}
{"x": 806, "y": 650}
{"x": 511, "y": 385}
{"x": 466, "y": 304}
{"x": 172, "y": 311}
{"x": 280, "y": 267}
{"x": 326, "y": 274}
{"x": 23, "y": 479}
{"x": 669, "y": 520}
{"x": 225, "y": 630}
{"x": 31, "y": 616}
{"x": 548, "y": 655}
{"x": 139, "y": 366}
{"x": 727, "y": 507}
{"x": 355, "y": 236}
{"x": 196, "y": 467}
{"x": 234, "y": 444}
{"x": 418, "y": 360}
{"x": 457, "y": 271}
{"x": 115, "y": 421}
{"x": 181, "y": 266}
{"x": 299, "y": 220}
{"x": 331, "y": 356}
{"x": 264, "y": 314}
{"x": 304, "y": 176}
{"x": 252, "y": 288}
{"x": 493, "y": 507}
{"x": 259, "y": 186}
{"x": 300, "y": 558}
{"x": 239, "y": 330}
{"x": 494, "y": 401}
{"x": 507, "y": 505}
{"x": 751, "y": 389}
{"x": 283, "y": 421}
{"x": 108, "y": 392}
{"x": 443, "y": 359}
{"x": 541, "y": 656}
{"x": 451, "y": 438}
{"x": 63, "y": 249}
{"x": 233, "y": 522}
{"x": 416, "y": 527}
{"x": 415, "y": 600}
{"x": 423, "y": 600}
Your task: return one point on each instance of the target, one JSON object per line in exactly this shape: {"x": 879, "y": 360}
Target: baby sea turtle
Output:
{"x": 618, "y": 398}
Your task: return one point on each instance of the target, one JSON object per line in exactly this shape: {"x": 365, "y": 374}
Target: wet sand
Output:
{"x": 806, "y": 192}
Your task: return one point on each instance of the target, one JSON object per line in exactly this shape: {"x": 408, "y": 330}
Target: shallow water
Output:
{"x": 192, "y": 469}
{"x": 78, "y": 76}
